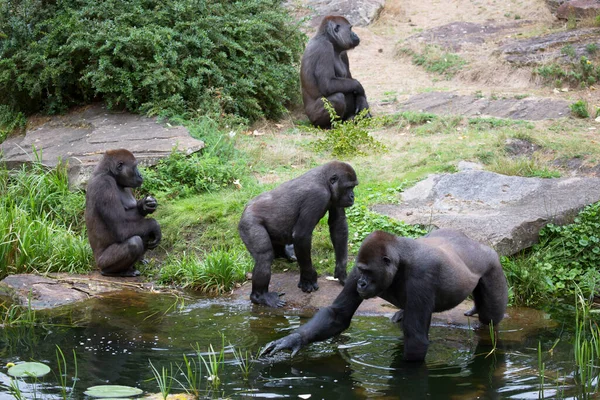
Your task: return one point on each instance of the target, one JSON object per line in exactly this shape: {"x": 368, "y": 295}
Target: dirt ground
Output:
{"x": 383, "y": 73}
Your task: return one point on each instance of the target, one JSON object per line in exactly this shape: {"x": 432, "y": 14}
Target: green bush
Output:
{"x": 565, "y": 258}
{"x": 580, "y": 109}
{"x": 184, "y": 57}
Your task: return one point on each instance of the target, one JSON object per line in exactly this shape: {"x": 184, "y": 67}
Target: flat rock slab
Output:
{"x": 44, "y": 292}
{"x": 455, "y": 35}
{"x": 357, "y": 12}
{"x": 549, "y": 48}
{"x": 82, "y": 137}
{"x": 530, "y": 108}
{"x": 506, "y": 212}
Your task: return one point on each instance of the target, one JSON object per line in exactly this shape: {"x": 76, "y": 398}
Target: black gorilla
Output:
{"x": 430, "y": 274}
{"x": 287, "y": 215}
{"x": 325, "y": 72}
{"x": 118, "y": 231}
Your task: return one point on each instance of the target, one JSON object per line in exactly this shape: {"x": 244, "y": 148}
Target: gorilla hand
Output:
{"x": 291, "y": 342}
{"x": 148, "y": 205}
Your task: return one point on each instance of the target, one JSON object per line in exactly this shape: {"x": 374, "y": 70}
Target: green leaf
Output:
{"x": 34, "y": 369}
{"x": 114, "y": 391}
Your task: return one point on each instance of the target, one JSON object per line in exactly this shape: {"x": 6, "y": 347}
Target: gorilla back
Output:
{"x": 420, "y": 276}
{"x": 287, "y": 215}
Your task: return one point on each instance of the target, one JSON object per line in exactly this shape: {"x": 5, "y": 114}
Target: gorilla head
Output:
{"x": 340, "y": 33}
{"x": 376, "y": 262}
{"x": 342, "y": 182}
{"x": 122, "y": 165}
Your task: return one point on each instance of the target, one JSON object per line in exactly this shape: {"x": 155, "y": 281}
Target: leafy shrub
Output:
{"x": 10, "y": 121}
{"x": 349, "y": 137}
{"x": 175, "y": 57}
{"x": 583, "y": 73}
{"x": 566, "y": 257}
{"x": 580, "y": 109}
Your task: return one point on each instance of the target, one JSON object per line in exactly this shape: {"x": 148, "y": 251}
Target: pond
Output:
{"x": 115, "y": 339}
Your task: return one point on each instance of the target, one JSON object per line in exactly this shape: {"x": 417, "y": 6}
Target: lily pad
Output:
{"x": 114, "y": 391}
{"x": 26, "y": 369}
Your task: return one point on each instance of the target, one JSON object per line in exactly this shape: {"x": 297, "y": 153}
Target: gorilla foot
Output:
{"x": 341, "y": 275}
{"x": 471, "y": 312}
{"x": 269, "y": 299}
{"x": 290, "y": 255}
{"x": 397, "y": 317}
{"x": 308, "y": 286}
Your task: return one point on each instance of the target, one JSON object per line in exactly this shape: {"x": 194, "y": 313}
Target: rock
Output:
{"x": 506, "y": 212}
{"x": 81, "y": 138}
{"x": 520, "y": 147}
{"x": 454, "y": 35}
{"x": 547, "y": 49}
{"x": 554, "y": 4}
{"x": 579, "y": 9}
{"x": 530, "y": 108}
{"x": 357, "y": 12}
{"x": 469, "y": 166}
{"x": 42, "y": 292}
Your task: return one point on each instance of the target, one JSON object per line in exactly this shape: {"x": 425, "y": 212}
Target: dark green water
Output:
{"x": 114, "y": 339}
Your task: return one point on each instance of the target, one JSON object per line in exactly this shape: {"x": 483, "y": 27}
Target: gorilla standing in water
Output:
{"x": 287, "y": 215}
{"x": 118, "y": 231}
{"x": 325, "y": 72}
{"x": 430, "y": 274}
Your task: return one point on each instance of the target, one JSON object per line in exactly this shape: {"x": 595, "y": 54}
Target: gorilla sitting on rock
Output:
{"x": 421, "y": 276}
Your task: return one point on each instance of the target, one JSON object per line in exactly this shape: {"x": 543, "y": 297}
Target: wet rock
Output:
{"x": 530, "y": 108}
{"x": 578, "y": 9}
{"x": 455, "y": 35}
{"x": 42, "y": 292}
{"x": 506, "y": 212}
{"x": 548, "y": 48}
{"x": 81, "y": 138}
{"x": 357, "y": 12}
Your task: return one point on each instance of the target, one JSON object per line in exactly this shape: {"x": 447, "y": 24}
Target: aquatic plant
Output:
{"x": 62, "y": 372}
{"x": 164, "y": 379}
{"x": 586, "y": 345}
{"x": 192, "y": 375}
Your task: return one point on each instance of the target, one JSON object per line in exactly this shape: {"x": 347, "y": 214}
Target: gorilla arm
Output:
{"x": 326, "y": 323}
{"x": 338, "y": 231}
{"x": 323, "y": 63}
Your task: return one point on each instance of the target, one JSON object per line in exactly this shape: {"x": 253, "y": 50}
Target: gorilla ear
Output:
{"x": 334, "y": 178}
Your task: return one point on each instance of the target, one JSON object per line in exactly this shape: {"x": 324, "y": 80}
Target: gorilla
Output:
{"x": 280, "y": 222}
{"x": 421, "y": 276}
{"x": 325, "y": 72}
{"x": 118, "y": 231}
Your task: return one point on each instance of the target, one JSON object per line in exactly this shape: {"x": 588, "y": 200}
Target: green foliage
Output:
{"x": 216, "y": 273}
{"x": 591, "y": 48}
{"x": 568, "y": 50}
{"x": 41, "y": 223}
{"x": 436, "y": 60}
{"x": 582, "y": 73}
{"x": 580, "y": 109}
{"x": 348, "y": 138}
{"x": 181, "y": 57}
{"x": 484, "y": 124}
{"x": 565, "y": 258}
{"x": 362, "y": 221}
{"x": 10, "y": 121}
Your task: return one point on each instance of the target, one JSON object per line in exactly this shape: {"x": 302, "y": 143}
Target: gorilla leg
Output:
{"x": 491, "y": 296}
{"x": 119, "y": 258}
{"x": 257, "y": 241}
{"x": 308, "y": 275}
{"x": 361, "y": 104}
{"x": 319, "y": 116}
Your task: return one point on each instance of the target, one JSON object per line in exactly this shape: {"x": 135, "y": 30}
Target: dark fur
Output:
{"x": 325, "y": 72}
{"x": 118, "y": 231}
{"x": 288, "y": 215}
{"x": 430, "y": 274}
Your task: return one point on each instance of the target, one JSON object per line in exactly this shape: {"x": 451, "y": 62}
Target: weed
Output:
{"x": 521, "y": 166}
{"x": 62, "y": 373}
{"x": 568, "y": 50}
{"x": 348, "y": 138}
{"x": 164, "y": 379}
{"x": 580, "y": 109}
{"x": 192, "y": 375}
{"x": 591, "y": 48}
{"x": 436, "y": 60}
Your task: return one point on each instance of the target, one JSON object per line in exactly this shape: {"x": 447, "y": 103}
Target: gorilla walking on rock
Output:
{"x": 325, "y": 72}
{"x": 421, "y": 276}
{"x": 287, "y": 215}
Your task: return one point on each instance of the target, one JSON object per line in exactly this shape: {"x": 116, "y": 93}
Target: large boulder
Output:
{"x": 506, "y": 212}
{"x": 357, "y": 12}
{"x": 578, "y": 9}
{"x": 80, "y": 139}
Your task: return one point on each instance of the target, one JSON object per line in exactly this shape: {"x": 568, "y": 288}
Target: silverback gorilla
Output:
{"x": 325, "y": 72}
{"x": 430, "y": 274}
{"x": 287, "y": 215}
{"x": 118, "y": 231}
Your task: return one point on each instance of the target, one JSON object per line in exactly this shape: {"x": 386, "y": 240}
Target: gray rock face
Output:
{"x": 357, "y": 12}
{"x": 81, "y": 138}
{"x": 530, "y": 108}
{"x": 505, "y": 212}
{"x": 548, "y": 48}
{"x": 578, "y": 9}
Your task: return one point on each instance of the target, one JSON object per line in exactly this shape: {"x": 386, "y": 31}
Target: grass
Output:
{"x": 435, "y": 60}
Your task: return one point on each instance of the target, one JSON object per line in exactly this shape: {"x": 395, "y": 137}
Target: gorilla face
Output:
{"x": 342, "y": 184}
{"x": 125, "y": 170}
{"x": 375, "y": 265}
{"x": 340, "y": 32}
